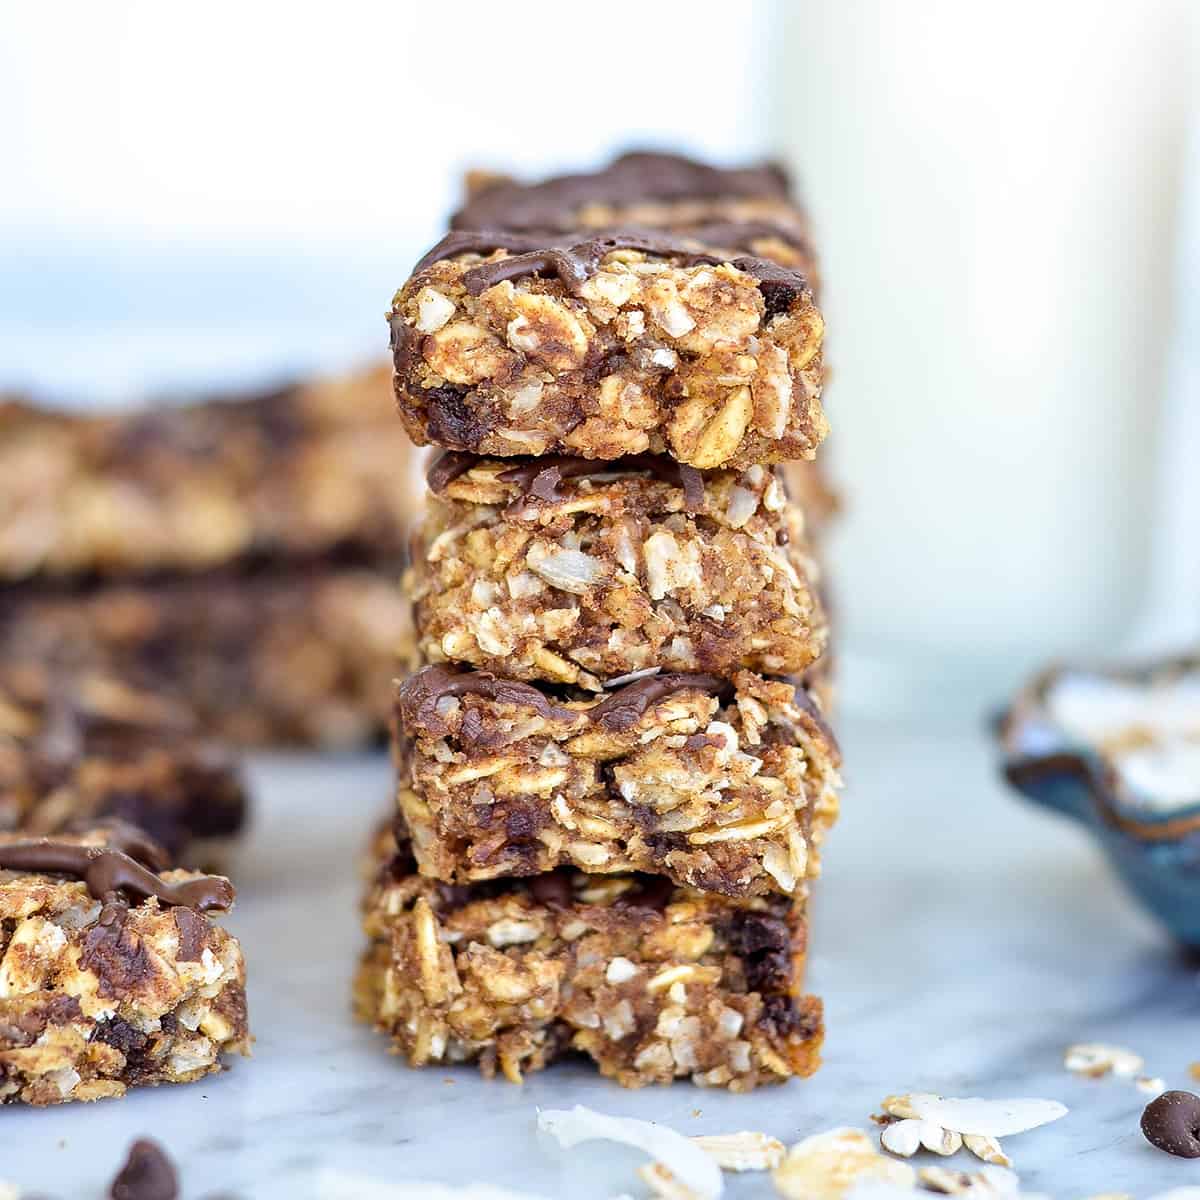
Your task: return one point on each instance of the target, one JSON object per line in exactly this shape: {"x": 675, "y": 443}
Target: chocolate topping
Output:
{"x": 148, "y": 1174}
{"x": 622, "y": 709}
{"x": 575, "y": 261}
{"x": 419, "y": 694}
{"x": 126, "y": 837}
{"x": 105, "y": 871}
{"x": 632, "y": 178}
{"x": 418, "y": 697}
{"x": 540, "y": 478}
{"x": 447, "y": 467}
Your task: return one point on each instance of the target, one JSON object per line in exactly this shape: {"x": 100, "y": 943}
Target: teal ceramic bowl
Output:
{"x": 1129, "y": 790}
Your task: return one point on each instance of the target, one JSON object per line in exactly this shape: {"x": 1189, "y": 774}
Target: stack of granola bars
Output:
{"x": 613, "y": 776}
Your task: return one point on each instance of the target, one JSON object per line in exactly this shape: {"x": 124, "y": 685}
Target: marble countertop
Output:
{"x": 961, "y": 941}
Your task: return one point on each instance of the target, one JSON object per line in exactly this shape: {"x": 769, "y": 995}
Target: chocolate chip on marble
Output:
{"x": 148, "y": 1174}
{"x": 1172, "y": 1123}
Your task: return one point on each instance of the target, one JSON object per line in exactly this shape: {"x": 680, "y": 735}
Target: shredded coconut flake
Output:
{"x": 991, "y": 1118}
{"x": 687, "y": 1163}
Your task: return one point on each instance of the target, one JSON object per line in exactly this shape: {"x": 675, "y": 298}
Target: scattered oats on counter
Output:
{"x": 1097, "y": 1060}
{"x": 742, "y": 1151}
{"x": 1152, "y": 1085}
{"x": 988, "y": 1181}
{"x": 831, "y": 1165}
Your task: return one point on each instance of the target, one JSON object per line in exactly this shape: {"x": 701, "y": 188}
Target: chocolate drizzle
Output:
{"x": 636, "y": 177}
{"x": 106, "y": 871}
{"x": 447, "y": 467}
{"x": 125, "y": 837}
{"x": 622, "y": 709}
{"x": 540, "y": 478}
{"x": 419, "y": 694}
{"x": 418, "y": 697}
{"x": 575, "y": 261}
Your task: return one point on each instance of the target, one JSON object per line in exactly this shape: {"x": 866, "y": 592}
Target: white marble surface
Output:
{"x": 962, "y": 940}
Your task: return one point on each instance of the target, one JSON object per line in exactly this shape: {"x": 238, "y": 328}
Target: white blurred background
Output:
{"x": 1006, "y": 199}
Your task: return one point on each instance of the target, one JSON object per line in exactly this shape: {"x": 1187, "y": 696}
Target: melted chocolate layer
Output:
{"x": 622, "y": 709}
{"x": 419, "y": 694}
{"x": 540, "y": 478}
{"x": 630, "y": 179}
{"x": 105, "y": 870}
{"x": 447, "y": 467}
{"x": 575, "y": 261}
{"x": 126, "y": 837}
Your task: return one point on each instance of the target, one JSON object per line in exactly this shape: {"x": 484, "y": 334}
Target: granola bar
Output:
{"x": 609, "y": 344}
{"x": 112, "y": 971}
{"x": 301, "y": 473}
{"x": 649, "y": 190}
{"x": 86, "y": 749}
{"x": 728, "y": 787}
{"x": 652, "y": 982}
{"x": 571, "y": 571}
{"x": 292, "y": 655}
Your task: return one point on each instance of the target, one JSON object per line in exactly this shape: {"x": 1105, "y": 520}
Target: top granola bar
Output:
{"x": 303, "y": 472}
{"x": 609, "y": 344}
{"x": 651, "y": 190}
{"x": 640, "y": 187}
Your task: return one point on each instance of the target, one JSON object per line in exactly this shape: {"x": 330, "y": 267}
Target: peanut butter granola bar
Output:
{"x": 650, "y": 981}
{"x": 651, "y": 190}
{"x": 568, "y": 570}
{"x": 724, "y": 786}
{"x": 112, "y": 972}
{"x": 607, "y": 345}
{"x": 292, "y": 655}
{"x": 85, "y": 749}
{"x": 303, "y": 472}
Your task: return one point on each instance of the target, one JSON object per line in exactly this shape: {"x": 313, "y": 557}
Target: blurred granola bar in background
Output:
{"x": 239, "y": 553}
{"x": 89, "y": 751}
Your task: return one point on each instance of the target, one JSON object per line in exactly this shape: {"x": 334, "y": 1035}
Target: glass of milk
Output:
{"x": 994, "y": 190}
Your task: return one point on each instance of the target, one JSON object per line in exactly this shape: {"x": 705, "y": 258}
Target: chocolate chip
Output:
{"x": 521, "y": 824}
{"x": 653, "y": 892}
{"x": 1172, "y": 1123}
{"x": 121, "y": 1035}
{"x": 552, "y": 889}
{"x": 451, "y": 422}
{"x": 114, "y": 954}
{"x": 751, "y": 933}
{"x": 148, "y": 1174}
{"x": 777, "y": 297}
{"x": 781, "y": 1016}
{"x": 192, "y": 929}
{"x": 763, "y": 943}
